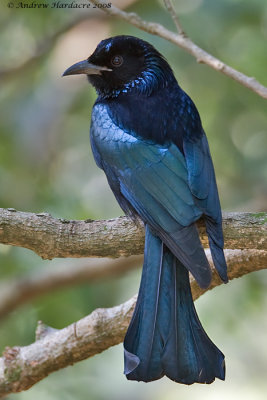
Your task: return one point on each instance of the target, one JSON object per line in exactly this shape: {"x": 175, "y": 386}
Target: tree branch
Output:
{"x": 170, "y": 8}
{"x": 239, "y": 263}
{"x": 18, "y": 291}
{"x": 22, "y": 367}
{"x": 47, "y": 44}
{"x": 190, "y": 47}
{"x": 50, "y": 237}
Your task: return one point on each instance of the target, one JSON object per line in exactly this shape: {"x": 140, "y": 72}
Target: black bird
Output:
{"x": 146, "y": 135}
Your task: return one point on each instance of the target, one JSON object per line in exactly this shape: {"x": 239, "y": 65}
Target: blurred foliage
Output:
{"x": 46, "y": 165}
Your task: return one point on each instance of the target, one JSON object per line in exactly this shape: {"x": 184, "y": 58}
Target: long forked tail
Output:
{"x": 165, "y": 336}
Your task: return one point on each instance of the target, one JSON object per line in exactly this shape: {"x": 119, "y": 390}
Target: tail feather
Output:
{"x": 215, "y": 235}
{"x": 196, "y": 358}
{"x": 143, "y": 343}
{"x": 165, "y": 336}
{"x": 192, "y": 257}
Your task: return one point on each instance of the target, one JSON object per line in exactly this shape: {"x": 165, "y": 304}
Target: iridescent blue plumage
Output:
{"x": 165, "y": 336}
{"x": 146, "y": 135}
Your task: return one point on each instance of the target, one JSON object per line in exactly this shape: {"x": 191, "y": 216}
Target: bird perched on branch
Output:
{"x": 146, "y": 135}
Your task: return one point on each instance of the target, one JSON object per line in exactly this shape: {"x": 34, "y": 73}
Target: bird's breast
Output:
{"x": 107, "y": 136}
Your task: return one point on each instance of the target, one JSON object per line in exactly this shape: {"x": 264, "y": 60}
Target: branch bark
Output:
{"x": 181, "y": 40}
{"x": 50, "y": 237}
{"x": 22, "y": 367}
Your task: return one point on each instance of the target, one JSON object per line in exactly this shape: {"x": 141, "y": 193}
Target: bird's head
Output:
{"x": 122, "y": 64}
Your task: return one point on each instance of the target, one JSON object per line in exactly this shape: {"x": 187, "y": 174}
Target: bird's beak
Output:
{"x": 84, "y": 67}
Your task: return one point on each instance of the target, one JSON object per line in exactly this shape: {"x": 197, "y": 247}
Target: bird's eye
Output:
{"x": 116, "y": 61}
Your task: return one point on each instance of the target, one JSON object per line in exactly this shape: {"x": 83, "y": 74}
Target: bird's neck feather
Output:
{"x": 167, "y": 114}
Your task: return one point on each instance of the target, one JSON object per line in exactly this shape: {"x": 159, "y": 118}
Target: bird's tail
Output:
{"x": 165, "y": 336}
{"x": 215, "y": 235}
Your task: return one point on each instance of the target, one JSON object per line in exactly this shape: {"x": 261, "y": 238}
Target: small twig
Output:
{"x": 185, "y": 43}
{"x": 170, "y": 8}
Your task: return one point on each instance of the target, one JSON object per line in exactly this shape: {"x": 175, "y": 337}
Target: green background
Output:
{"x": 46, "y": 165}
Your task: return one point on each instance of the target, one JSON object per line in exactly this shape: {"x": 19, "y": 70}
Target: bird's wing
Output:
{"x": 202, "y": 183}
{"x": 157, "y": 177}
{"x": 154, "y": 180}
{"x": 201, "y": 177}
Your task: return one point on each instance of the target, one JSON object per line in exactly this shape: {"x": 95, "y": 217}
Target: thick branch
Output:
{"x": 22, "y": 367}
{"x": 190, "y": 47}
{"x": 50, "y": 237}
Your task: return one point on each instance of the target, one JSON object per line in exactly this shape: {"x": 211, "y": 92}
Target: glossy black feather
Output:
{"x": 146, "y": 135}
{"x": 165, "y": 336}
